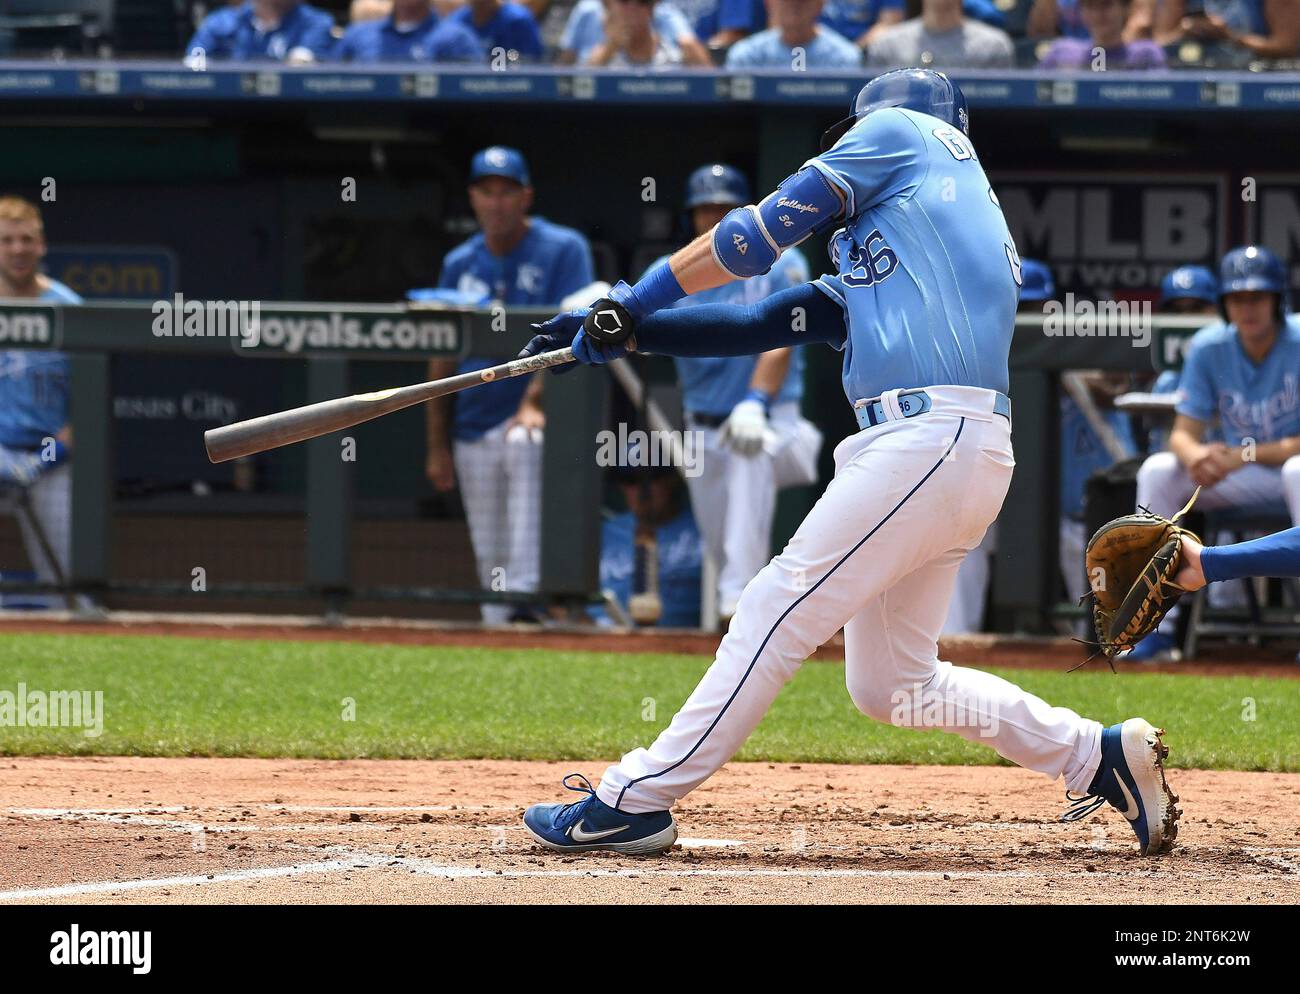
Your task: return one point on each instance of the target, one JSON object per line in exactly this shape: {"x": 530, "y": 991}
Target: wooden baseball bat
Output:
{"x": 243, "y": 438}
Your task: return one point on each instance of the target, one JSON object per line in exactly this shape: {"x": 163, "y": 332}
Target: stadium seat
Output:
{"x": 1204, "y": 619}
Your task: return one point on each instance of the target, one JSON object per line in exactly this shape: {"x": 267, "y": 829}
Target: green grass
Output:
{"x": 204, "y": 697}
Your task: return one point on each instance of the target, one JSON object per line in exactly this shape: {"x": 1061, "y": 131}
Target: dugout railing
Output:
{"x": 1025, "y": 577}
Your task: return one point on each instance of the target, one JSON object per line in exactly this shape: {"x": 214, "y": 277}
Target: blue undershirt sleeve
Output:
{"x": 1273, "y": 555}
{"x": 797, "y": 316}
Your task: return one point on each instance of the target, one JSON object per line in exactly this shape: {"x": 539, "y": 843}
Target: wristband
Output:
{"x": 655, "y": 290}
{"x": 761, "y": 396}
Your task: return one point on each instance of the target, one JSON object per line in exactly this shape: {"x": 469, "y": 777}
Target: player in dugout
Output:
{"x": 35, "y": 436}
{"x": 1243, "y": 371}
{"x": 490, "y": 438}
{"x": 745, "y": 409}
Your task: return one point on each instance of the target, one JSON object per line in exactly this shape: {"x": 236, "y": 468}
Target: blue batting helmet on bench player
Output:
{"x": 717, "y": 184}
{"x": 1253, "y": 268}
{"x": 921, "y": 90}
{"x": 1189, "y": 283}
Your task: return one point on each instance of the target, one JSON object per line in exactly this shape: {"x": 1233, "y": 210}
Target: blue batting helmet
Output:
{"x": 1252, "y": 267}
{"x": 1036, "y": 281}
{"x": 717, "y": 184}
{"x": 1189, "y": 283}
{"x": 921, "y": 90}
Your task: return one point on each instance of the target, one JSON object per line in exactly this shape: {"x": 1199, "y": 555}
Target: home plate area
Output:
{"x": 199, "y": 831}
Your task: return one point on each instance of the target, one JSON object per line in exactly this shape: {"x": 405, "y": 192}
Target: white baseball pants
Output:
{"x": 1164, "y": 486}
{"x": 500, "y": 479}
{"x": 878, "y": 556}
{"x": 734, "y": 499}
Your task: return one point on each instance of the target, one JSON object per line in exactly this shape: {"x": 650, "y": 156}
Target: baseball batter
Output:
{"x": 922, "y": 304}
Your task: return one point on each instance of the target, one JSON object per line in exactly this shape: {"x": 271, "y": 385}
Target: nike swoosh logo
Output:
{"x": 578, "y": 834}
{"x": 1131, "y": 805}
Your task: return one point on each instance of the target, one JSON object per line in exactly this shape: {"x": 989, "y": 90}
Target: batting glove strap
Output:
{"x": 609, "y": 322}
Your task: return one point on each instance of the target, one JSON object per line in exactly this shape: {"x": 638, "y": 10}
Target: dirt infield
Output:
{"x": 128, "y": 830}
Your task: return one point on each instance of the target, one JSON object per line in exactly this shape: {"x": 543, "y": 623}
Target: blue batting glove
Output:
{"x": 553, "y": 334}
{"x": 593, "y": 354}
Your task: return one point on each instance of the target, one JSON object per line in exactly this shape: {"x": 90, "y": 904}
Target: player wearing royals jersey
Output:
{"x": 745, "y": 409}
{"x": 922, "y": 304}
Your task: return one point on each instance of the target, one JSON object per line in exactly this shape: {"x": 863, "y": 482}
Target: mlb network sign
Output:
{"x": 1119, "y": 234}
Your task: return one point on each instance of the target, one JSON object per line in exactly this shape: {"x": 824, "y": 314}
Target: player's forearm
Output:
{"x": 1185, "y": 444}
{"x": 1272, "y": 555}
{"x": 1276, "y": 453}
{"x": 695, "y": 267}
{"x": 770, "y": 372}
{"x": 796, "y": 316}
{"x": 1265, "y": 46}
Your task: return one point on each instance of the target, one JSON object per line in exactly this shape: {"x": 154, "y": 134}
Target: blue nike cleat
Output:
{"x": 589, "y": 824}
{"x": 1131, "y": 778}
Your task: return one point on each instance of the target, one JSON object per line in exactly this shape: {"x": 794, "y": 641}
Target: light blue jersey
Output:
{"x": 713, "y": 386}
{"x": 928, "y": 272}
{"x": 548, "y": 264}
{"x": 827, "y": 50}
{"x": 1084, "y": 453}
{"x": 34, "y": 387}
{"x": 1252, "y": 401}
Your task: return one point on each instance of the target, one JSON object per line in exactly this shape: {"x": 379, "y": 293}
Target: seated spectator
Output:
{"x": 1061, "y": 19}
{"x": 1105, "y": 47}
{"x": 283, "y": 30}
{"x": 795, "y": 32}
{"x": 1266, "y": 29}
{"x": 942, "y": 38}
{"x": 35, "y": 436}
{"x": 551, "y": 17}
{"x": 862, "y": 21}
{"x": 369, "y": 10}
{"x": 985, "y": 11}
{"x": 586, "y": 30}
{"x": 501, "y": 26}
{"x": 632, "y": 41}
{"x": 1055, "y": 19}
{"x": 411, "y": 33}
{"x": 722, "y": 23}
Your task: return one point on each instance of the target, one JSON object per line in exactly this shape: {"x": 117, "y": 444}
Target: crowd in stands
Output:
{"x": 753, "y": 34}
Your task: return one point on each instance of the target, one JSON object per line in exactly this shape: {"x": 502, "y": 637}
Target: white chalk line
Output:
{"x": 197, "y": 827}
{"x": 234, "y": 876}
{"x": 391, "y": 808}
{"x": 361, "y": 860}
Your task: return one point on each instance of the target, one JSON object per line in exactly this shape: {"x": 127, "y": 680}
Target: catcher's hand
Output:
{"x": 1133, "y": 567}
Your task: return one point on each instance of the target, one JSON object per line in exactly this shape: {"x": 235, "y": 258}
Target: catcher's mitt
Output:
{"x": 1131, "y": 563}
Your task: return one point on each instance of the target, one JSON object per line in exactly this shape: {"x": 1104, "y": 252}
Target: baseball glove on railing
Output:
{"x": 1131, "y": 563}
